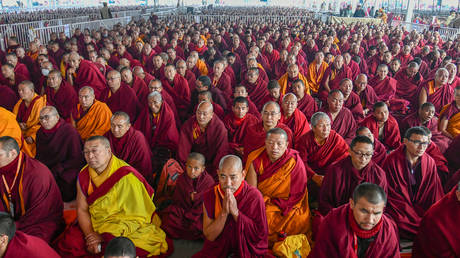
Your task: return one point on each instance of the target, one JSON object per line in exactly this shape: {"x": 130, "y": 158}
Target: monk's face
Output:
{"x": 194, "y": 168}
{"x": 276, "y": 145}
{"x": 452, "y": 69}
{"x": 361, "y": 83}
{"x": 361, "y": 154}
{"x": 97, "y": 155}
{"x": 13, "y": 60}
{"x": 319, "y": 57}
{"x": 426, "y": 114}
{"x": 338, "y": 62}
{"x": 240, "y": 109}
{"x": 155, "y": 104}
{"x": 395, "y": 65}
{"x": 126, "y": 76}
{"x": 6, "y": 157}
{"x": 230, "y": 177}
{"x": 48, "y": 118}
{"x": 7, "y": 71}
{"x": 289, "y": 105}
{"x": 219, "y": 68}
{"x": 366, "y": 132}
{"x": 85, "y": 98}
{"x": 346, "y": 87}
{"x": 381, "y": 114}
{"x": 25, "y": 92}
{"x": 367, "y": 214}
{"x": 74, "y": 60}
{"x": 275, "y": 92}
{"x": 181, "y": 68}
{"x": 157, "y": 61}
{"x": 382, "y": 72}
{"x": 271, "y": 115}
{"x": 416, "y": 144}
{"x": 411, "y": 71}
{"x": 293, "y": 71}
{"x": 322, "y": 129}
{"x": 335, "y": 102}
{"x": 170, "y": 73}
{"x": 124, "y": 62}
{"x": 54, "y": 80}
{"x": 253, "y": 76}
{"x": 240, "y": 92}
{"x": 441, "y": 78}
{"x": 155, "y": 86}
{"x": 204, "y": 114}
{"x": 119, "y": 126}
{"x": 114, "y": 81}
{"x": 298, "y": 89}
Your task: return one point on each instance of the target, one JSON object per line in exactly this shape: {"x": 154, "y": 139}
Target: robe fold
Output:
{"x": 64, "y": 99}
{"x": 451, "y": 154}
{"x": 124, "y": 99}
{"x": 353, "y": 103}
{"x": 315, "y": 76}
{"x": 391, "y": 137}
{"x": 406, "y": 88}
{"x": 343, "y": 124}
{"x": 9, "y": 97}
{"x": 283, "y": 184}
{"x": 223, "y": 83}
{"x": 385, "y": 89}
{"x": 368, "y": 98}
{"x": 341, "y": 180}
{"x": 438, "y": 97}
{"x": 297, "y": 122}
{"x": 451, "y": 113}
{"x": 24, "y": 245}
{"x": 406, "y": 206}
{"x": 180, "y": 92}
{"x": 246, "y": 237}
{"x": 286, "y": 83}
{"x": 140, "y": 89}
{"x": 236, "y": 129}
{"x": 380, "y": 153}
{"x": 307, "y": 105}
{"x": 89, "y": 75}
{"x": 95, "y": 121}
{"x": 257, "y": 91}
{"x": 335, "y": 77}
{"x": 9, "y": 126}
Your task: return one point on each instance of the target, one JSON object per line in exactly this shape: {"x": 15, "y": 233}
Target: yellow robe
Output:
{"x": 453, "y": 124}
{"x": 314, "y": 76}
{"x": 283, "y": 81}
{"x": 9, "y": 126}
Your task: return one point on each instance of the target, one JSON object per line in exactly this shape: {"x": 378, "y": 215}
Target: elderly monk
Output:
{"x": 27, "y": 112}
{"x": 84, "y": 73}
{"x": 10, "y": 79}
{"x": 305, "y": 103}
{"x": 254, "y": 136}
{"x": 365, "y": 92}
{"x": 90, "y": 117}
{"x": 19, "y": 68}
{"x": 9, "y": 126}
{"x": 342, "y": 119}
{"x": 383, "y": 85}
{"x": 141, "y": 74}
{"x": 436, "y": 91}
{"x": 380, "y": 151}
{"x": 279, "y": 174}
{"x": 181, "y": 67}
{"x": 204, "y": 133}
{"x": 220, "y": 79}
{"x": 135, "y": 83}
{"x": 413, "y": 182}
{"x": 438, "y": 232}
{"x": 130, "y": 144}
{"x": 237, "y": 123}
{"x": 29, "y": 193}
{"x": 407, "y": 82}
{"x": 59, "y": 148}
{"x": 207, "y": 97}
{"x": 60, "y": 94}
{"x": 292, "y": 74}
{"x": 333, "y": 75}
{"x": 120, "y": 96}
{"x": 255, "y": 86}
{"x": 449, "y": 124}
{"x": 106, "y": 189}
{"x": 234, "y": 220}
{"x": 155, "y": 85}
{"x": 184, "y": 217}
{"x": 351, "y": 99}
{"x": 177, "y": 86}
{"x": 383, "y": 126}
{"x": 316, "y": 70}
{"x": 343, "y": 176}
{"x": 18, "y": 244}
{"x": 358, "y": 229}
{"x": 292, "y": 117}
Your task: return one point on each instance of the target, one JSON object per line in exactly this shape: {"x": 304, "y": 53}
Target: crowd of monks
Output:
{"x": 246, "y": 136}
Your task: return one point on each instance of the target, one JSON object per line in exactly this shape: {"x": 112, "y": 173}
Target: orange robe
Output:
{"x": 9, "y": 126}
{"x": 284, "y": 82}
{"x": 202, "y": 67}
{"x": 452, "y": 113}
{"x": 314, "y": 76}
{"x": 96, "y": 121}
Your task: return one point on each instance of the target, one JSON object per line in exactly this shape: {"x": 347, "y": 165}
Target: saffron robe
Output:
{"x": 315, "y": 76}
{"x": 297, "y": 122}
{"x": 10, "y": 127}
{"x": 64, "y": 99}
{"x": 95, "y": 121}
{"x": 285, "y": 82}
{"x": 89, "y": 75}
{"x": 24, "y": 245}
{"x": 391, "y": 137}
{"x": 452, "y": 113}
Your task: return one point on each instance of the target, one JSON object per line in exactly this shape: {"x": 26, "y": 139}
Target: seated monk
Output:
{"x": 436, "y": 91}
{"x": 439, "y": 159}
{"x": 234, "y": 220}
{"x": 255, "y": 86}
{"x": 177, "y": 86}
{"x": 380, "y": 151}
{"x": 137, "y": 84}
{"x": 279, "y": 174}
{"x": 237, "y": 123}
{"x": 438, "y": 231}
{"x": 60, "y": 94}
{"x": 9, "y": 126}
{"x": 342, "y": 119}
{"x": 130, "y": 145}
{"x": 155, "y": 85}
{"x": 139, "y": 72}
{"x": 407, "y": 82}
{"x": 343, "y": 176}
{"x": 449, "y": 124}
{"x": 120, "y": 247}
{"x": 18, "y": 244}
{"x": 84, "y": 73}
{"x": 183, "y": 219}
{"x": 10, "y": 79}
{"x": 90, "y": 117}
{"x": 454, "y": 79}
{"x": 383, "y": 85}
{"x": 59, "y": 148}
{"x": 27, "y": 112}
{"x": 106, "y": 189}
{"x": 365, "y": 92}
{"x": 332, "y": 77}
{"x": 383, "y": 126}
{"x": 316, "y": 70}
{"x": 351, "y": 99}
{"x": 254, "y": 136}
{"x": 274, "y": 93}
{"x": 204, "y": 133}
{"x": 181, "y": 67}
{"x": 413, "y": 183}
{"x": 19, "y": 68}
{"x": 34, "y": 202}
{"x": 203, "y": 83}
{"x": 119, "y": 96}
{"x": 305, "y": 103}
{"x": 292, "y": 117}
{"x": 358, "y": 229}
{"x": 240, "y": 91}
{"x": 207, "y": 96}
{"x": 292, "y": 74}
{"x": 220, "y": 79}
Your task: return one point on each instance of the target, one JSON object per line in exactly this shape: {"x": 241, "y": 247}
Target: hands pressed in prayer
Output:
{"x": 29, "y": 140}
{"x": 23, "y": 126}
{"x": 226, "y": 204}
{"x": 92, "y": 242}
{"x": 232, "y": 204}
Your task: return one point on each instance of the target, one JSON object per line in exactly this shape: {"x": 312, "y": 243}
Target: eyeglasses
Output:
{"x": 270, "y": 113}
{"x": 363, "y": 155}
{"x": 418, "y": 143}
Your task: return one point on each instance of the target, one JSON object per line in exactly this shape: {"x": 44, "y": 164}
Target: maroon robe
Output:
{"x": 355, "y": 70}
{"x": 89, "y": 75}
{"x": 140, "y": 89}
{"x": 237, "y": 127}
{"x": 336, "y": 238}
{"x": 440, "y": 161}
{"x": 24, "y": 245}
{"x": 246, "y": 237}
{"x": 223, "y": 84}
{"x": 60, "y": 149}
{"x": 385, "y": 89}
{"x": 341, "y": 180}
{"x": 307, "y": 105}
{"x": 406, "y": 88}
{"x": 406, "y": 205}
{"x": 297, "y": 123}
{"x": 368, "y": 98}
{"x": 343, "y": 124}
{"x": 441, "y": 97}
{"x": 147, "y": 79}
{"x": 184, "y": 218}
{"x": 9, "y": 97}
{"x": 257, "y": 91}
{"x": 124, "y": 99}
{"x": 65, "y": 99}
{"x": 191, "y": 79}
{"x": 14, "y": 86}
{"x": 278, "y": 69}
{"x": 179, "y": 91}
{"x": 391, "y": 137}
{"x": 38, "y": 208}
{"x": 452, "y": 156}
{"x": 22, "y": 70}
{"x": 380, "y": 152}
{"x": 159, "y": 73}
{"x": 335, "y": 77}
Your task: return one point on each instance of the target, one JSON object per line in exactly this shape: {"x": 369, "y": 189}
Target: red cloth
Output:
{"x": 256, "y": 91}
{"x": 64, "y": 100}
{"x": 452, "y": 156}
{"x": 341, "y": 180}
{"x": 89, "y": 75}
{"x": 441, "y": 97}
{"x": 22, "y": 70}
{"x": 18, "y": 78}
{"x": 355, "y": 70}
{"x": 403, "y": 206}
{"x": 368, "y": 98}
{"x": 297, "y": 123}
{"x": 385, "y": 89}
{"x": 24, "y": 245}
{"x": 336, "y": 238}
{"x": 380, "y": 153}
{"x": 317, "y": 157}
{"x": 237, "y": 127}
{"x": 391, "y": 137}
{"x": 38, "y": 208}
{"x": 278, "y": 69}
{"x": 140, "y": 89}
{"x": 9, "y": 97}
{"x": 124, "y": 99}
{"x": 334, "y": 81}
{"x": 248, "y": 236}
{"x": 184, "y": 218}
{"x": 406, "y": 88}
{"x": 307, "y": 105}
{"x": 224, "y": 84}
{"x": 438, "y": 232}
{"x": 179, "y": 91}
{"x": 353, "y": 103}
{"x": 440, "y": 161}
{"x": 343, "y": 124}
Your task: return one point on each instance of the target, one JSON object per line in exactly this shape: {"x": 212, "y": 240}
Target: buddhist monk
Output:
{"x": 184, "y": 217}
{"x": 119, "y": 96}
{"x": 383, "y": 85}
{"x": 90, "y": 117}
{"x": 84, "y": 73}
{"x": 365, "y": 92}
{"x": 106, "y": 189}
{"x": 18, "y": 244}
{"x": 383, "y": 126}
{"x": 120, "y": 247}
{"x": 177, "y": 86}
{"x": 130, "y": 144}
{"x": 240, "y": 91}
{"x": 204, "y": 133}
{"x": 305, "y": 103}
{"x": 407, "y": 82}
{"x": 155, "y": 85}
{"x": 436, "y": 91}
{"x": 342, "y": 119}
{"x": 343, "y": 176}
{"x": 19, "y": 68}
{"x": 316, "y": 70}
{"x": 292, "y": 117}
{"x": 9, "y": 126}
{"x": 333, "y": 75}
{"x": 351, "y": 99}
{"x": 359, "y": 228}
{"x": 207, "y": 97}
{"x": 137, "y": 84}
{"x": 234, "y": 220}
{"x": 59, "y": 147}
{"x": 11, "y": 79}
{"x": 220, "y": 79}
{"x": 255, "y": 86}
{"x": 29, "y": 193}
{"x": 27, "y": 112}
{"x": 380, "y": 151}
{"x": 279, "y": 174}
{"x": 413, "y": 182}
{"x": 60, "y": 94}
{"x": 438, "y": 232}
{"x": 292, "y": 74}
{"x": 449, "y": 124}
{"x": 274, "y": 93}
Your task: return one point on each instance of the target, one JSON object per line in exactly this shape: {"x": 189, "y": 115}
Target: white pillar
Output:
{"x": 410, "y": 10}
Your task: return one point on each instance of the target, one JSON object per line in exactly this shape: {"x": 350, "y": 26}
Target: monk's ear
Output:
{"x": 352, "y": 203}
{"x": 244, "y": 173}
